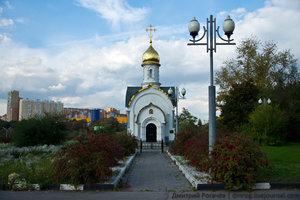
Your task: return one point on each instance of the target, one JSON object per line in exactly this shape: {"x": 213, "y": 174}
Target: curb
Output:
{"x": 285, "y": 185}
{"x": 189, "y": 177}
{"x": 122, "y": 172}
{"x": 220, "y": 186}
{"x": 81, "y": 187}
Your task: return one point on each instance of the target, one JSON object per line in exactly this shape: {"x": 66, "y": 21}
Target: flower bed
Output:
{"x": 39, "y": 167}
{"x": 234, "y": 160}
{"x": 31, "y": 163}
{"x": 200, "y": 180}
{"x": 16, "y": 183}
{"x": 9, "y": 149}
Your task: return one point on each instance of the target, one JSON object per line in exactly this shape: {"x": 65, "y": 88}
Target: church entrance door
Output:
{"x": 151, "y": 133}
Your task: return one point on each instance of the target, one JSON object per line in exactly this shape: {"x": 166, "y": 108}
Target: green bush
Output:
{"x": 267, "y": 124}
{"x": 186, "y": 121}
{"x": 235, "y": 161}
{"x": 109, "y": 126}
{"x": 5, "y": 136}
{"x": 38, "y": 131}
{"x": 88, "y": 161}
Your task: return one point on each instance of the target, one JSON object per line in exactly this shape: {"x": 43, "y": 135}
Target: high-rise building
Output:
{"x": 32, "y": 108}
{"x": 13, "y": 106}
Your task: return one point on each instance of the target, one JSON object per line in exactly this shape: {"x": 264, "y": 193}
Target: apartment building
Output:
{"x": 31, "y": 108}
{"x": 13, "y": 105}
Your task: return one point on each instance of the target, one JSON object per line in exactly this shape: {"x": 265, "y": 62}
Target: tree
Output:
{"x": 39, "y": 130}
{"x": 261, "y": 63}
{"x": 289, "y": 99}
{"x": 76, "y": 125}
{"x": 5, "y": 130}
{"x": 267, "y": 122}
{"x": 186, "y": 120}
{"x": 110, "y": 125}
{"x": 238, "y": 104}
{"x": 274, "y": 74}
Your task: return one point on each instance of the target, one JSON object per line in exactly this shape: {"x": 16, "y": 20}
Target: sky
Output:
{"x": 85, "y": 53}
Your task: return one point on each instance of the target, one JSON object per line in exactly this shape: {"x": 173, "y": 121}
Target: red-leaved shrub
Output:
{"x": 196, "y": 150}
{"x": 177, "y": 146}
{"x": 235, "y": 161}
{"x": 88, "y": 161}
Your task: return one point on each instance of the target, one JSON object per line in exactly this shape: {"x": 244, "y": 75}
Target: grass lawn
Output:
{"x": 35, "y": 168}
{"x": 285, "y": 161}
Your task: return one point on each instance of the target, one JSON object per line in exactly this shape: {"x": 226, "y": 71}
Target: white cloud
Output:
{"x": 277, "y": 21}
{"x": 115, "y": 11}
{"x": 4, "y": 38}
{"x": 24, "y": 68}
{"x": 71, "y": 101}
{"x": 3, "y": 21}
{"x": 86, "y": 74}
{"x": 57, "y": 87}
{"x": 3, "y": 106}
{"x": 20, "y": 20}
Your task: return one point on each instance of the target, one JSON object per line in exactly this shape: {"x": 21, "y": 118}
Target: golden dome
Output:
{"x": 150, "y": 56}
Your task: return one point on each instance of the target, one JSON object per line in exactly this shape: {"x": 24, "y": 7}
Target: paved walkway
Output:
{"x": 155, "y": 172}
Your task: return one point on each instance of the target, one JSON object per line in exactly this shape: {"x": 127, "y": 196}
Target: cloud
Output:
{"x": 3, "y": 21}
{"x": 57, "y": 87}
{"x": 20, "y": 20}
{"x": 3, "y": 106}
{"x": 71, "y": 101}
{"x": 115, "y": 11}
{"x": 276, "y": 21}
{"x": 94, "y": 73}
{"x": 4, "y": 38}
{"x": 23, "y": 68}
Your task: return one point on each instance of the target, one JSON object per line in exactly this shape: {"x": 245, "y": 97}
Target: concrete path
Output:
{"x": 155, "y": 172}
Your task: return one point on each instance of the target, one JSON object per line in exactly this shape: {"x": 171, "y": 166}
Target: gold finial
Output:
{"x": 150, "y": 29}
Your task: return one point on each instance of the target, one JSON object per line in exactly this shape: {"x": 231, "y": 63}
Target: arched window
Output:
{"x": 151, "y": 73}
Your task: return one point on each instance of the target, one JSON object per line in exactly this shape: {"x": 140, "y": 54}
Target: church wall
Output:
{"x": 159, "y": 99}
{"x": 151, "y": 75}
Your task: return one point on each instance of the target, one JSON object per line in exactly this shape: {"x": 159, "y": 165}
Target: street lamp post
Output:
{"x": 178, "y": 96}
{"x": 264, "y": 102}
{"x": 211, "y": 32}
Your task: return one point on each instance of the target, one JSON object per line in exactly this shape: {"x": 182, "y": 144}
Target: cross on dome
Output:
{"x": 150, "y": 56}
{"x": 150, "y": 29}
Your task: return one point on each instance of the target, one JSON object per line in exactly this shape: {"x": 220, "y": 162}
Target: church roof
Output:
{"x": 150, "y": 56}
{"x": 132, "y": 91}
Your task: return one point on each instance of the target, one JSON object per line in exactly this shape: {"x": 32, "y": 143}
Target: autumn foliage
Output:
{"x": 234, "y": 161}
{"x": 90, "y": 159}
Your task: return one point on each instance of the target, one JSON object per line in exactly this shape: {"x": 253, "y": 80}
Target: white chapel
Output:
{"x": 150, "y": 108}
